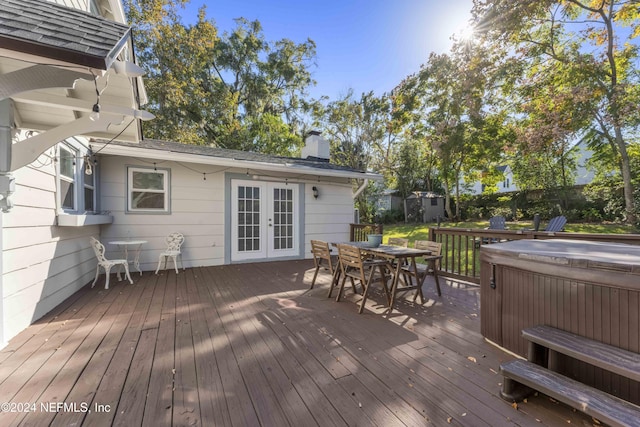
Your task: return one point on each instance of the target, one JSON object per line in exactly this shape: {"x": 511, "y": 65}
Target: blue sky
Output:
{"x": 363, "y": 45}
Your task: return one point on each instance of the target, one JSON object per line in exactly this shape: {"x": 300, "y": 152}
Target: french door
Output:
{"x": 264, "y": 220}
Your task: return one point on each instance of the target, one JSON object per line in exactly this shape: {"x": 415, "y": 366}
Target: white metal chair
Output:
{"x": 173, "y": 251}
{"x": 106, "y": 264}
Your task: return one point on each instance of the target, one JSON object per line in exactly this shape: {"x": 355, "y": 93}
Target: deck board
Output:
{"x": 250, "y": 345}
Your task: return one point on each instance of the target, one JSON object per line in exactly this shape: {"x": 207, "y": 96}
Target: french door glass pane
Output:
{"x": 282, "y": 218}
{"x": 248, "y": 219}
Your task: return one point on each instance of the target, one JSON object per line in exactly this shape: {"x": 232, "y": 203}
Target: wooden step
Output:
{"x": 605, "y": 356}
{"x": 596, "y": 403}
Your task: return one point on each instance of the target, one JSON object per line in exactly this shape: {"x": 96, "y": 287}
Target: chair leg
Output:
{"x": 97, "y": 274}
{"x": 175, "y": 263}
{"x": 435, "y": 276}
{"x": 342, "y": 282}
{"x": 159, "y": 263}
{"x": 313, "y": 281}
{"x": 365, "y": 289}
{"x": 107, "y": 272}
{"x": 335, "y": 277}
{"x": 383, "y": 277}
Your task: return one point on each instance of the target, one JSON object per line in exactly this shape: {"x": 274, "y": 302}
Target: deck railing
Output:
{"x": 461, "y": 247}
{"x": 359, "y": 232}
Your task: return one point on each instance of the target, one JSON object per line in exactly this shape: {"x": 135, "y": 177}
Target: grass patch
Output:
{"x": 415, "y": 232}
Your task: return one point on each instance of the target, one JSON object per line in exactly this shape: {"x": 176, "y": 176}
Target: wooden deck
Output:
{"x": 249, "y": 345}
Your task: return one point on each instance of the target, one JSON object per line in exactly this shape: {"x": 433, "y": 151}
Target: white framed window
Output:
{"x": 148, "y": 190}
{"x": 67, "y": 177}
{"x": 89, "y": 185}
{"x": 75, "y": 179}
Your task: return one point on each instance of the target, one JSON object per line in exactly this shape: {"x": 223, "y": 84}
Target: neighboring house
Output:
{"x": 67, "y": 72}
{"x": 506, "y": 185}
{"x": 583, "y": 175}
{"x": 424, "y": 206}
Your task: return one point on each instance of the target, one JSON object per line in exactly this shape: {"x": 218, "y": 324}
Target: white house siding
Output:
{"x": 328, "y": 217}
{"x": 198, "y": 211}
{"x": 43, "y": 264}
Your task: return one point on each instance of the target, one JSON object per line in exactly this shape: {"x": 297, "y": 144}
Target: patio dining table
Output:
{"x": 136, "y": 247}
{"x": 397, "y": 257}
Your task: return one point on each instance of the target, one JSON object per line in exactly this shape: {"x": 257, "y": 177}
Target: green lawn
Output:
{"x": 421, "y": 231}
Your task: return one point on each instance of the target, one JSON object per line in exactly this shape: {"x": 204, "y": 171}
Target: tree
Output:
{"x": 590, "y": 45}
{"x": 359, "y": 133}
{"x": 236, "y": 90}
{"x": 451, "y": 116}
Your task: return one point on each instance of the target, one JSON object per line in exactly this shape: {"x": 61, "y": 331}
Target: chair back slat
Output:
{"x": 398, "y": 241}
{"x": 174, "y": 241}
{"x": 434, "y": 247}
{"x": 98, "y": 249}
{"x": 320, "y": 249}
{"x": 350, "y": 257}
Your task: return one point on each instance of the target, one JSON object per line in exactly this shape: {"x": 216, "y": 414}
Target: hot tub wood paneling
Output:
{"x": 589, "y": 288}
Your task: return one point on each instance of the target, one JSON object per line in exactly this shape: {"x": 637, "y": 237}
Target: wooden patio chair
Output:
{"x": 398, "y": 241}
{"x": 106, "y": 264}
{"x": 173, "y": 251}
{"x": 403, "y": 243}
{"x": 321, "y": 255}
{"x": 354, "y": 267}
{"x": 423, "y": 270}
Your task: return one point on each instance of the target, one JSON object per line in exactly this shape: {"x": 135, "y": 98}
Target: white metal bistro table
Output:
{"x": 136, "y": 246}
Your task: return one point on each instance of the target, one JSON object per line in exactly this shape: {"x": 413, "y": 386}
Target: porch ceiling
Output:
{"x": 45, "y": 108}
{"x": 56, "y": 62}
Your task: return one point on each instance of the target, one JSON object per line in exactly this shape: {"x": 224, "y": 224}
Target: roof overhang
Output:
{"x": 58, "y": 68}
{"x": 253, "y": 166}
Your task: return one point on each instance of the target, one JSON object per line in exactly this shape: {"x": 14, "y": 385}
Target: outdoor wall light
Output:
{"x": 95, "y": 113}
{"x": 316, "y": 193}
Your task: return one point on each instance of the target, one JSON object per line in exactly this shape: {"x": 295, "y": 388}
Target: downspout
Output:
{"x": 361, "y": 189}
{"x": 7, "y": 181}
{"x": 7, "y": 187}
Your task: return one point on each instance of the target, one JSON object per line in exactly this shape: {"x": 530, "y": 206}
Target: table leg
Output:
{"x": 136, "y": 259}
{"x": 394, "y": 284}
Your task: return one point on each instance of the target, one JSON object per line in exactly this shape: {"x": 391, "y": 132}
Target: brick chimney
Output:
{"x": 315, "y": 147}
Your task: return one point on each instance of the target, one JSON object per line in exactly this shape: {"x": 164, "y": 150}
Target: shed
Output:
{"x": 423, "y": 206}
{"x": 389, "y": 200}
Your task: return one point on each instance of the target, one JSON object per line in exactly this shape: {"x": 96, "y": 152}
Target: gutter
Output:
{"x": 138, "y": 152}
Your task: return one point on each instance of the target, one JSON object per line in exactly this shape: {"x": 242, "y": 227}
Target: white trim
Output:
{"x": 266, "y": 221}
{"x": 166, "y": 183}
{"x": 67, "y": 220}
{"x": 71, "y": 154}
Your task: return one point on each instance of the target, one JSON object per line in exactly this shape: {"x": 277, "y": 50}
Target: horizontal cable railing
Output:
{"x": 461, "y": 247}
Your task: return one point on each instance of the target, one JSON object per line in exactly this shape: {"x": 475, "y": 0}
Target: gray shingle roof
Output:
{"x": 50, "y": 30}
{"x": 224, "y": 153}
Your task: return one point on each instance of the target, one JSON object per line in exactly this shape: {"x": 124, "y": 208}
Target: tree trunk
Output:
{"x": 447, "y": 200}
{"x": 625, "y": 168}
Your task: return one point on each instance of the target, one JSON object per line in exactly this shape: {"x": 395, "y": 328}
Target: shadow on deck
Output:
{"x": 250, "y": 345}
